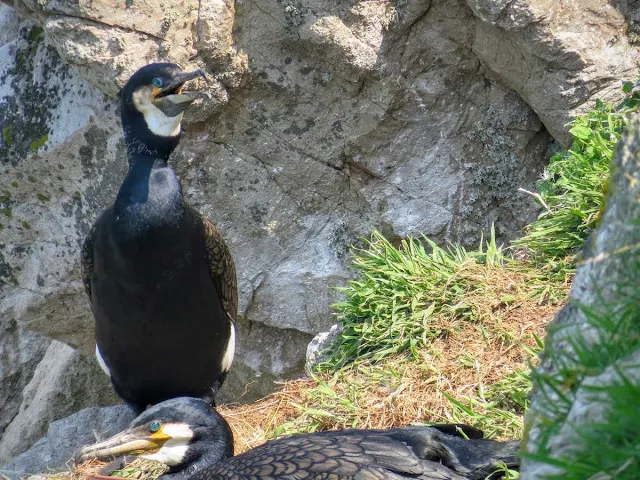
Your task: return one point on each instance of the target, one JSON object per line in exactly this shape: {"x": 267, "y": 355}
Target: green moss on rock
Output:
{"x": 39, "y": 143}
{"x": 7, "y": 135}
{"x": 25, "y": 117}
{"x": 36, "y": 34}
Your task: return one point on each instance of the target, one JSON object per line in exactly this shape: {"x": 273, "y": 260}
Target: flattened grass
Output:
{"x": 429, "y": 335}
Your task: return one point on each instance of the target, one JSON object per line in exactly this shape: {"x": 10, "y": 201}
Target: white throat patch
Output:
{"x": 156, "y": 120}
{"x": 173, "y": 451}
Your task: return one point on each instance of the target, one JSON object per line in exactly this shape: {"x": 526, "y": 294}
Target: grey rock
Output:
{"x": 11, "y": 23}
{"x": 558, "y": 59}
{"x": 64, "y": 382}
{"x": 64, "y": 437}
{"x": 601, "y": 280}
{"x": 316, "y": 350}
{"x": 20, "y": 353}
{"x": 107, "y": 43}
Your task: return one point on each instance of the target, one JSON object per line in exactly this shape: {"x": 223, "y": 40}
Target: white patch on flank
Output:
{"x": 173, "y": 451}
{"x": 101, "y": 362}
{"x": 157, "y": 121}
{"x": 227, "y": 359}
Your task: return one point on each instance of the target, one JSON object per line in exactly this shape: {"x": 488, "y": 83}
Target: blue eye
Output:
{"x": 155, "y": 426}
{"x": 157, "y": 82}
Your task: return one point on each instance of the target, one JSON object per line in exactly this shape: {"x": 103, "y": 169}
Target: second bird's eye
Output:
{"x": 157, "y": 82}
{"x": 154, "y": 426}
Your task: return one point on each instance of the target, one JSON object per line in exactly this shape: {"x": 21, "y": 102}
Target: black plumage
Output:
{"x": 160, "y": 278}
{"x": 197, "y": 443}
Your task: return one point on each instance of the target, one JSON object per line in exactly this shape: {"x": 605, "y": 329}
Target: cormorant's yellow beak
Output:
{"x": 134, "y": 441}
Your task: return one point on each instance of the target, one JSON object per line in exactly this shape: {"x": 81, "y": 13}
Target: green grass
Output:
{"x": 401, "y": 294}
{"x": 609, "y": 447}
{"x": 403, "y": 299}
{"x": 574, "y": 185}
{"x": 391, "y": 307}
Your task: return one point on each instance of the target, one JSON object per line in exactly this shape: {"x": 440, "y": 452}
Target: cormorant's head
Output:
{"x": 152, "y": 105}
{"x": 177, "y": 432}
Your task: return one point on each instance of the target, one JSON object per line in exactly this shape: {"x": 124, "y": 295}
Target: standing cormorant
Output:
{"x": 196, "y": 442}
{"x": 160, "y": 278}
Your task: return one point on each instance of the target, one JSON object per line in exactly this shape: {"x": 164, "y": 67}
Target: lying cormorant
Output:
{"x": 160, "y": 278}
{"x": 196, "y": 442}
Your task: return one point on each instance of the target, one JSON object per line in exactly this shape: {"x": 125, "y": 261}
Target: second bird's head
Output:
{"x": 184, "y": 433}
{"x": 151, "y": 107}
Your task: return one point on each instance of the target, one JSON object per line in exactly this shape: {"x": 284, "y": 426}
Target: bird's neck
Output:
{"x": 159, "y": 148}
{"x": 142, "y": 142}
{"x": 206, "y": 455}
{"x": 150, "y": 196}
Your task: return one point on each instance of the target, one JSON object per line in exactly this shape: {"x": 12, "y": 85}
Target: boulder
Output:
{"x": 317, "y": 350}
{"x": 20, "y": 353}
{"x": 606, "y": 277}
{"x": 64, "y": 382}
{"x": 64, "y": 437}
{"x": 558, "y": 58}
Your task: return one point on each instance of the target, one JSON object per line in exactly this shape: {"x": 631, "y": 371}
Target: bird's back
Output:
{"x": 420, "y": 453}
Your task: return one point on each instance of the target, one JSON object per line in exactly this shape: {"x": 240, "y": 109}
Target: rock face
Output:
{"x": 559, "y": 57}
{"x": 608, "y": 276}
{"x": 64, "y": 437}
{"x": 322, "y": 120}
{"x": 64, "y": 382}
{"x": 40, "y": 203}
{"x": 20, "y": 353}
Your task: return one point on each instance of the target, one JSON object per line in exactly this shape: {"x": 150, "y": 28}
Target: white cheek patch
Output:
{"x": 171, "y": 453}
{"x": 178, "y": 431}
{"x": 156, "y": 120}
{"x": 227, "y": 359}
{"x": 101, "y": 362}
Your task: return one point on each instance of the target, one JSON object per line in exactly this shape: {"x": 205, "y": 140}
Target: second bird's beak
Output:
{"x": 170, "y": 99}
{"x": 134, "y": 441}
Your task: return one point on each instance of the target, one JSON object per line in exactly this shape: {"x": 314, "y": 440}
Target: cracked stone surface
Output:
{"x": 590, "y": 52}
{"x": 20, "y": 354}
{"x": 322, "y": 120}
